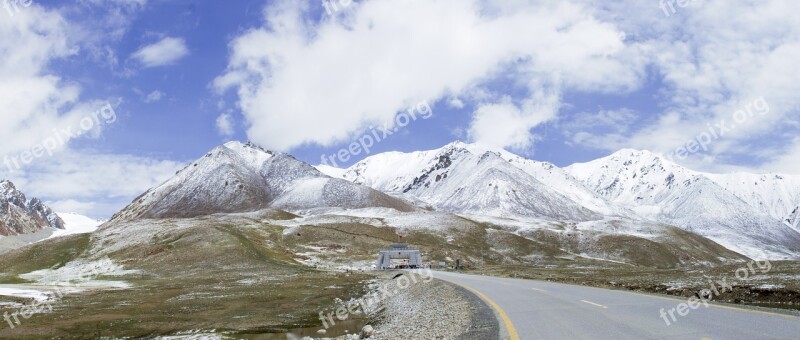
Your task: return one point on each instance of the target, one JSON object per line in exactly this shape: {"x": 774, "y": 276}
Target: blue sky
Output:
{"x": 557, "y": 81}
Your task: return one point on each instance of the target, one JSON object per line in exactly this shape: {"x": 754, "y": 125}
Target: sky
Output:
{"x": 101, "y": 100}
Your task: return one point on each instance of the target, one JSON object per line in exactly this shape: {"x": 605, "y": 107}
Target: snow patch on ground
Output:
{"x": 76, "y": 224}
{"x": 81, "y": 274}
{"x": 331, "y": 171}
{"x": 15, "y": 291}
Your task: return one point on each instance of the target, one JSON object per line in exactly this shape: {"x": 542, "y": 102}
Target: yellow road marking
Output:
{"x": 596, "y": 304}
{"x": 512, "y": 332}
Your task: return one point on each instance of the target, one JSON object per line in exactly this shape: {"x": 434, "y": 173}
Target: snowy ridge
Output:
{"x": 774, "y": 194}
{"x": 331, "y": 171}
{"x": 238, "y": 177}
{"x": 475, "y": 180}
{"x": 666, "y": 192}
{"x": 557, "y": 179}
{"x": 630, "y": 193}
{"x": 461, "y": 178}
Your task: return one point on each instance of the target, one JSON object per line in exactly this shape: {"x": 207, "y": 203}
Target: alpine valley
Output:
{"x": 242, "y": 224}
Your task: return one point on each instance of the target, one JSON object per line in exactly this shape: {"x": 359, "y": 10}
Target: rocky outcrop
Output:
{"x": 20, "y": 216}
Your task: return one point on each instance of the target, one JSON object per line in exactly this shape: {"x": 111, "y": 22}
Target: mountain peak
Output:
{"x": 457, "y": 145}
{"x": 630, "y": 153}
{"x": 7, "y": 186}
{"x": 248, "y": 147}
{"x": 243, "y": 177}
{"x": 20, "y": 216}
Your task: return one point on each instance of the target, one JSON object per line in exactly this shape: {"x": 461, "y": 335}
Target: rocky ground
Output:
{"x": 414, "y": 305}
{"x": 436, "y": 310}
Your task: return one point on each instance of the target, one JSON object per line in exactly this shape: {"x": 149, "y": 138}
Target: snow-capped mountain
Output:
{"x": 557, "y": 179}
{"x": 669, "y": 193}
{"x": 331, "y": 171}
{"x": 76, "y": 224}
{"x": 20, "y": 216}
{"x": 627, "y": 188}
{"x": 468, "y": 179}
{"x": 238, "y": 177}
{"x": 745, "y": 213}
{"x": 773, "y": 194}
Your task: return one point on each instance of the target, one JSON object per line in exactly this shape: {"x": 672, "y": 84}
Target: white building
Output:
{"x": 399, "y": 256}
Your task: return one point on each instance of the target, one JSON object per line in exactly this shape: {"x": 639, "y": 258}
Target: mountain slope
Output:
{"x": 669, "y": 193}
{"x": 558, "y": 180}
{"x": 464, "y": 179}
{"x": 238, "y": 177}
{"x": 773, "y": 194}
{"x": 20, "y": 216}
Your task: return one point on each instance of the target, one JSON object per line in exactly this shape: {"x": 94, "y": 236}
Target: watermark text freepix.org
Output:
{"x": 670, "y": 7}
{"x": 365, "y": 143}
{"x": 61, "y": 137}
{"x": 101, "y": 267}
{"x": 716, "y": 287}
{"x": 332, "y": 8}
{"x": 13, "y": 6}
{"x": 719, "y": 130}
{"x": 372, "y": 302}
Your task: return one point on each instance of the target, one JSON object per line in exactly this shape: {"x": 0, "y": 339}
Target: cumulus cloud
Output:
{"x": 164, "y": 52}
{"x": 300, "y": 82}
{"x": 34, "y": 100}
{"x": 225, "y": 124}
{"x": 37, "y": 104}
{"x": 715, "y": 58}
{"x": 603, "y": 129}
{"x": 361, "y": 66}
{"x": 85, "y": 181}
{"x": 154, "y": 97}
{"x": 508, "y": 125}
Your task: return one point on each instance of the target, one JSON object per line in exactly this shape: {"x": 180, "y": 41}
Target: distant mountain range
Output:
{"x": 742, "y": 212}
{"x": 618, "y": 208}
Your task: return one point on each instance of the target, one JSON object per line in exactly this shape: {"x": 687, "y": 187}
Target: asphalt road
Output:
{"x": 543, "y": 310}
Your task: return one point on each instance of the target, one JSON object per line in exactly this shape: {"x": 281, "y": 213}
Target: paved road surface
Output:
{"x": 544, "y": 310}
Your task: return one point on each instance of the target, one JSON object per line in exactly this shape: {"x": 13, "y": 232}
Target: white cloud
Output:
{"x": 225, "y": 124}
{"x": 714, "y": 58}
{"x": 784, "y": 160}
{"x": 34, "y": 100}
{"x": 604, "y": 129}
{"x": 164, "y": 52}
{"x": 456, "y": 103}
{"x": 109, "y": 22}
{"x": 73, "y": 206}
{"x": 507, "y": 125}
{"x": 379, "y": 57}
{"x": 92, "y": 183}
{"x": 36, "y": 104}
{"x": 111, "y": 19}
{"x": 154, "y": 97}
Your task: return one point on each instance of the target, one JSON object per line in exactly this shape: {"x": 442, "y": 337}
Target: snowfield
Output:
{"x": 76, "y": 224}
